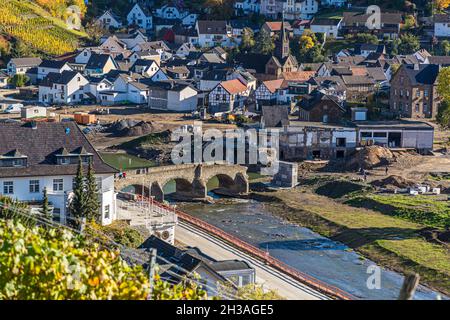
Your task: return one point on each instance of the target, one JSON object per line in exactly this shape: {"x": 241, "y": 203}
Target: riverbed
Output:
{"x": 329, "y": 261}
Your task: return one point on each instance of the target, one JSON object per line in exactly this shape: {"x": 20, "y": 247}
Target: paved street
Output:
{"x": 266, "y": 275}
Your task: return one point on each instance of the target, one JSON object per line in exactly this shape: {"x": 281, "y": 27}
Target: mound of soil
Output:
{"x": 371, "y": 157}
{"x": 436, "y": 236}
{"x": 130, "y": 128}
{"x": 338, "y": 189}
{"x": 393, "y": 182}
{"x": 140, "y": 129}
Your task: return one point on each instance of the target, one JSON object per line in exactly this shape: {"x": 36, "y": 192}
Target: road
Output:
{"x": 269, "y": 277}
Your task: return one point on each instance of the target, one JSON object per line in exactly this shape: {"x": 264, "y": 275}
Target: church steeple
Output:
{"x": 282, "y": 42}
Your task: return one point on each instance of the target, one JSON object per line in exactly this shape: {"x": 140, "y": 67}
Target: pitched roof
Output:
{"x": 442, "y": 60}
{"x": 98, "y": 61}
{"x": 352, "y": 17}
{"x": 298, "y": 75}
{"x": 422, "y": 74}
{"x": 212, "y": 27}
{"x": 26, "y": 62}
{"x": 355, "y": 80}
{"x": 442, "y": 18}
{"x": 325, "y": 22}
{"x": 59, "y": 78}
{"x": 275, "y": 26}
{"x": 274, "y": 85}
{"x": 233, "y": 86}
{"x": 53, "y": 64}
{"x": 41, "y": 144}
{"x": 311, "y": 100}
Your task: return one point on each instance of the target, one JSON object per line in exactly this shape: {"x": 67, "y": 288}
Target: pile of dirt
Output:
{"x": 140, "y": 129}
{"x": 436, "y": 236}
{"x": 394, "y": 182}
{"x": 371, "y": 157}
{"x": 338, "y": 189}
{"x": 131, "y": 128}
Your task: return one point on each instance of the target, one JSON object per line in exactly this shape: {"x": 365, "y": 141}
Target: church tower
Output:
{"x": 282, "y": 43}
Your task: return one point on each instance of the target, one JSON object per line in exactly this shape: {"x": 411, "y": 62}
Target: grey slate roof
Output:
{"x": 26, "y": 62}
{"x": 425, "y": 74}
{"x": 41, "y": 144}
{"x": 275, "y": 116}
{"x": 54, "y": 64}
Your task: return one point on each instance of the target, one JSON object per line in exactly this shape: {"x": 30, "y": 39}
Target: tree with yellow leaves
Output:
{"x": 442, "y": 4}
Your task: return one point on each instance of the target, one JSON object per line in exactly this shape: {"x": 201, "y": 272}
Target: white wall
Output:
{"x": 58, "y": 198}
{"x": 442, "y": 29}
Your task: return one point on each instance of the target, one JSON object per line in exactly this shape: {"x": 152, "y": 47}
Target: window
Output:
{"x": 425, "y": 93}
{"x": 418, "y": 93}
{"x": 58, "y": 185}
{"x": 366, "y": 134}
{"x": 341, "y": 142}
{"x": 107, "y": 212}
{"x": 8, "y": 187}
{"x": 417, "y": 107}
{"x": 380, "y": 134}
{"x": 34, "y": 186}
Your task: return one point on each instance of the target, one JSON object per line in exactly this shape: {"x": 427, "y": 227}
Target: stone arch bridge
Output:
{"x": 190, "y": 179}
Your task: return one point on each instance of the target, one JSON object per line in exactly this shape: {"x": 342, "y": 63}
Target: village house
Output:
{"x": 109, "y": 20}
{"x": 413, "y": 91}
{"x": 289, "y": 9}
{"x": 227, "y": 96}
{"x": 31, "y": 162}
{"x": 22, "y": 65}
{"x": 246, "y": 7}
{"x": 171, "y": 95}
{"x": 355, "y": 22}
{"x": 213, "y": 33}
{"x": 48, "y": 66}
{"x": 140, "y": 16}
{"x": 320, "y": 107}
{"x": 330, "y": 27}
{"x": 100, "y": 64}
{"x": 442, "y": 25}
{"x": 67, "y": 87}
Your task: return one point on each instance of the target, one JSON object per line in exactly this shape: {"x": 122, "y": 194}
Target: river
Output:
{"x": 329, "y": 261}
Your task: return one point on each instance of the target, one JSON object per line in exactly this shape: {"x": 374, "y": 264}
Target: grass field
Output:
{"x": 122, "y": 161}
{"x": 432, "y": 211}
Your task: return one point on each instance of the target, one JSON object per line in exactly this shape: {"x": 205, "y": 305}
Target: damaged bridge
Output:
{"x": 190, "y": 180}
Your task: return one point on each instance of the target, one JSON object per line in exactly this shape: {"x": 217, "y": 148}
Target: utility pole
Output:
{"x": 151, "y": 272}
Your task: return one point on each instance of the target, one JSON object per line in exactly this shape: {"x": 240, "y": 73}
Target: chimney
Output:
{"x": 416, "y": 66}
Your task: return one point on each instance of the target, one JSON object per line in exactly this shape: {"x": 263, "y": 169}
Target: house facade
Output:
{"x": 227, "y": 96}
{"x": 413, "y": 91}
{"x": 22, "y": 65}
{"x": 32, "y": 163}
{"x": 442, "y": 25}
{"x": 109, "y": 20}
{"x": 213, "y": 33}
{"x": 67, "y": 87}
{"x": 141, "y": 17}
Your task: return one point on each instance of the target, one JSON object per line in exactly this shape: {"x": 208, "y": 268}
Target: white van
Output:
{"x": 14, "y": 108}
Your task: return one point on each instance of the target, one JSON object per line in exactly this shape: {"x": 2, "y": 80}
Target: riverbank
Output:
{"x": 391, "y": 242}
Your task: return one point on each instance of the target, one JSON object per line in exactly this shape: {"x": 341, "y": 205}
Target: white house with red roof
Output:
{"x": 227, "y": 96}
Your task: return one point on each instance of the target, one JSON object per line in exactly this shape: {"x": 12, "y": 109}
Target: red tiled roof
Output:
{"x": 298, "y": 75}
{"x": 276, "y": 25}
{"x": 274, "y": 85}
{"x": 234, "y": 86}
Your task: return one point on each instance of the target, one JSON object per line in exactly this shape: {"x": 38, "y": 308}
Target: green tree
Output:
{"x": 408, "y": 44}
{"x": 92, "y": 204}
{"x": 78, "y": 203}
{"x": 366, "y": 38}
{"x": 248, "y": 41}
{"x": 264, "y": 43}
{"x": 45, "y": 209}
{"x": 55, "y": 264}
{"x": 445, "y": 47}
{"x": 443, "y": 116}
{"x": 19, "y": 80}
{"x": 443, "y": 84}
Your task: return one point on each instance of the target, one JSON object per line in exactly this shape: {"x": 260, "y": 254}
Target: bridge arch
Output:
{"x": 137, "y": 189}
{"x": 190, "y": 180}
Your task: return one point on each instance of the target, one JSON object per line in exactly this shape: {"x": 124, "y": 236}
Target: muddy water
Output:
{"x": 301, "y": 248}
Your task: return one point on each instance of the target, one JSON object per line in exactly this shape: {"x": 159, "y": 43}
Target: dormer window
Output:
{"x": 13, "y": 159}
{"x": 63, "y": 157}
